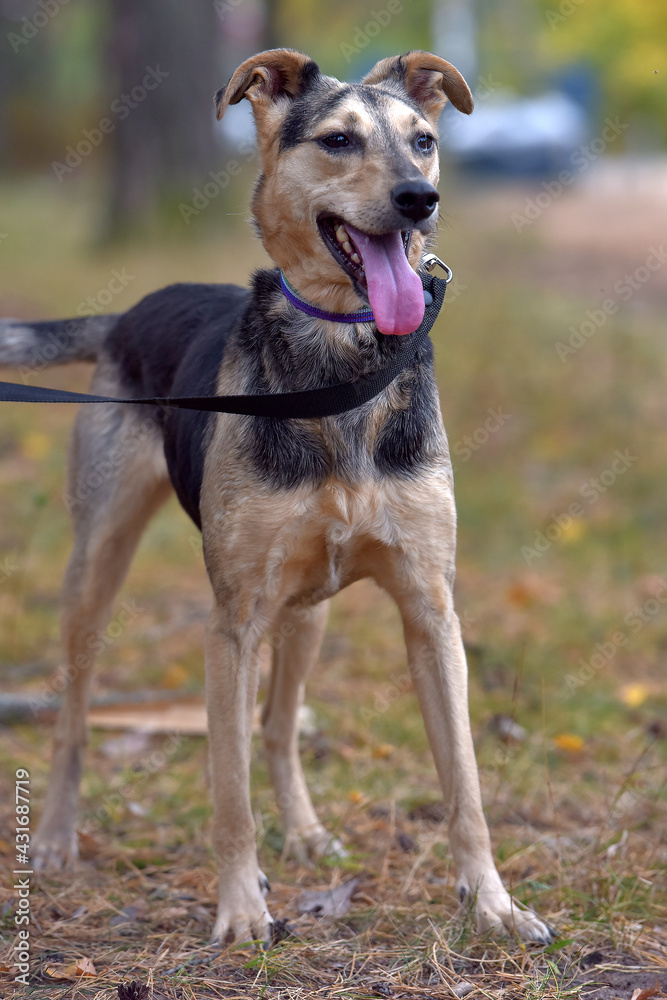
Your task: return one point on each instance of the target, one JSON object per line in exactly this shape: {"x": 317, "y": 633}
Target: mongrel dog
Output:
{"x": 291, "y": 511}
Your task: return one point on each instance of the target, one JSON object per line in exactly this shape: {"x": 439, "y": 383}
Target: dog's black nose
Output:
{"x": 415, "y": 199}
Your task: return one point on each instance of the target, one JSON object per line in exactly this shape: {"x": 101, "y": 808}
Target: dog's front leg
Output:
{"x": 232, "y": 674}
{"x": 439, "y": 671}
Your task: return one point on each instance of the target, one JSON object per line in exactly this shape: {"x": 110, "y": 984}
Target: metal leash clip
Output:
{"x": 430, "y": 261}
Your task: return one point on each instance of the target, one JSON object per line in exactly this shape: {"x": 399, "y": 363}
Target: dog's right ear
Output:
{"x": 266, "y": 77}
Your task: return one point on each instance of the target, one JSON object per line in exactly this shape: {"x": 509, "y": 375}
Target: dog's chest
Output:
{"x": 305, "y": 545}
{"x": 336, "y": 536}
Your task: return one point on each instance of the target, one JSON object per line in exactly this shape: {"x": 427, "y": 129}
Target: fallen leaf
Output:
{"x": 135, "y": 911}
{"x": 60, "y": 974}
{"x": 572, "y": 531}
{"x": 645, "y": 994}
{"x": 328, "y": 902}
{"x": 355, "y": 797}
{"x": 89, "y": 847}
{"x": 507, "y": 729}
{"x": 138, "y": 808}
{"x": 634, "y": 695}
{"x": 382, "y": 751}
{"x": 519, "y": 594}
{"x": 171, "y": 913}
{"x": 84, "y": 967}
{"x": 174, "y": 677}
{"x": 613, "y": 849}
{"x": 406, "y": 842}
{"x": 35, "y": 445}
{"x": 430, "y": 812}
{"x": 569, "y": 742}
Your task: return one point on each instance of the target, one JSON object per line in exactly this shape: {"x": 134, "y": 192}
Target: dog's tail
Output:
{"x": 53, "y": 342}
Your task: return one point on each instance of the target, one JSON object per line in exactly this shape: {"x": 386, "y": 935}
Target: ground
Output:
{"x": 552, "y": 368}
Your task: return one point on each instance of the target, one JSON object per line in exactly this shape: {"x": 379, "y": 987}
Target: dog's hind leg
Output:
{"x": 118, "y": 479}
{"x": 296, "y": 644}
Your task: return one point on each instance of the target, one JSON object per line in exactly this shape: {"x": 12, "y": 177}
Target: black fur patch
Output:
{"x": 307, "y": 110}
{"x": 174, "y": 342}
{"x": 406, "y": 441}
{"x": 171, "y": 344}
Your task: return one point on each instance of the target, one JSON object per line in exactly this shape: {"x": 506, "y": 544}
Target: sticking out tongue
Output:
{"x": 394, "y": 290}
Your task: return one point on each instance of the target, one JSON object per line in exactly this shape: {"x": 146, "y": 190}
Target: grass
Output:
{"x": 565, "y": 636}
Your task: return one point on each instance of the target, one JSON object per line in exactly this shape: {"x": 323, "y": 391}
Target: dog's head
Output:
{"x": 346, "y": 195}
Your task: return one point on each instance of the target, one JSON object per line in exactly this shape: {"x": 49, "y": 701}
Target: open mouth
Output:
{"x": 345, "y": 252}
{"x": 378, "y": 265}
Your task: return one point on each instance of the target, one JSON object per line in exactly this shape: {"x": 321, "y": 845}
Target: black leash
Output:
{"x": 326, "y": 401}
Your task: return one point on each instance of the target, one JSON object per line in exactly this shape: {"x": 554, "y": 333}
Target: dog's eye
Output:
{"x": 337, "y": 140}
{"x": 425, "y": 142}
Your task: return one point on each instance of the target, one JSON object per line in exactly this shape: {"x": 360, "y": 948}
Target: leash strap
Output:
{"x": 326, "y": 401}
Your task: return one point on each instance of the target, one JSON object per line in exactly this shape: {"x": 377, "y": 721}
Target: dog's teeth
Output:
{"x": 347, "y": 247}
{"x": 355, "y": 257}
{"x": 341, "y": 233}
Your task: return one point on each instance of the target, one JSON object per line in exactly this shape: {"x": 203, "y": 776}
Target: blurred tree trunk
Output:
{"x": 164, "y": 64}
{"x": 271, "y": 26}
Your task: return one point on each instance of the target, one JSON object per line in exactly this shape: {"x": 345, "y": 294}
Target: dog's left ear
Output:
{"x": 266, "y": 77}
{"x": 429, "y": 80}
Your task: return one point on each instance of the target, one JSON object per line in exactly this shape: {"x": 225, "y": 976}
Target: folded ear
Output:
{"x": 429, "y": 80}
{"x": 266, "y": 77}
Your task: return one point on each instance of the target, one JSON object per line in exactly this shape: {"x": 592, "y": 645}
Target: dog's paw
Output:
{"x": 242, "y": 912}
{"x": 312, "y": 844}
{"x": 51, "y": 851}
{"x": 497, "y": 913}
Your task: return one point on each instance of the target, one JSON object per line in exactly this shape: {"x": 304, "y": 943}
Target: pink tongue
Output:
{"x": 394, "y": 290}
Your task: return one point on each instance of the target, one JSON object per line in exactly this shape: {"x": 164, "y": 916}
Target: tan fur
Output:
{"x": 428, "y": 79}
{"x": 359, "y": 194}
{"x": 274, "y": 557}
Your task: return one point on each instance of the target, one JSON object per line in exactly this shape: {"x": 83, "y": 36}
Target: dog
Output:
{"x": 291, "y": 511}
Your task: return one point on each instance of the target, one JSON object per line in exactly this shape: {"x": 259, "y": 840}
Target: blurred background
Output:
{"x": 115, "y": 179}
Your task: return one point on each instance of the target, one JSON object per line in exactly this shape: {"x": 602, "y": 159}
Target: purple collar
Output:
{"x": 363, "y": 316}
